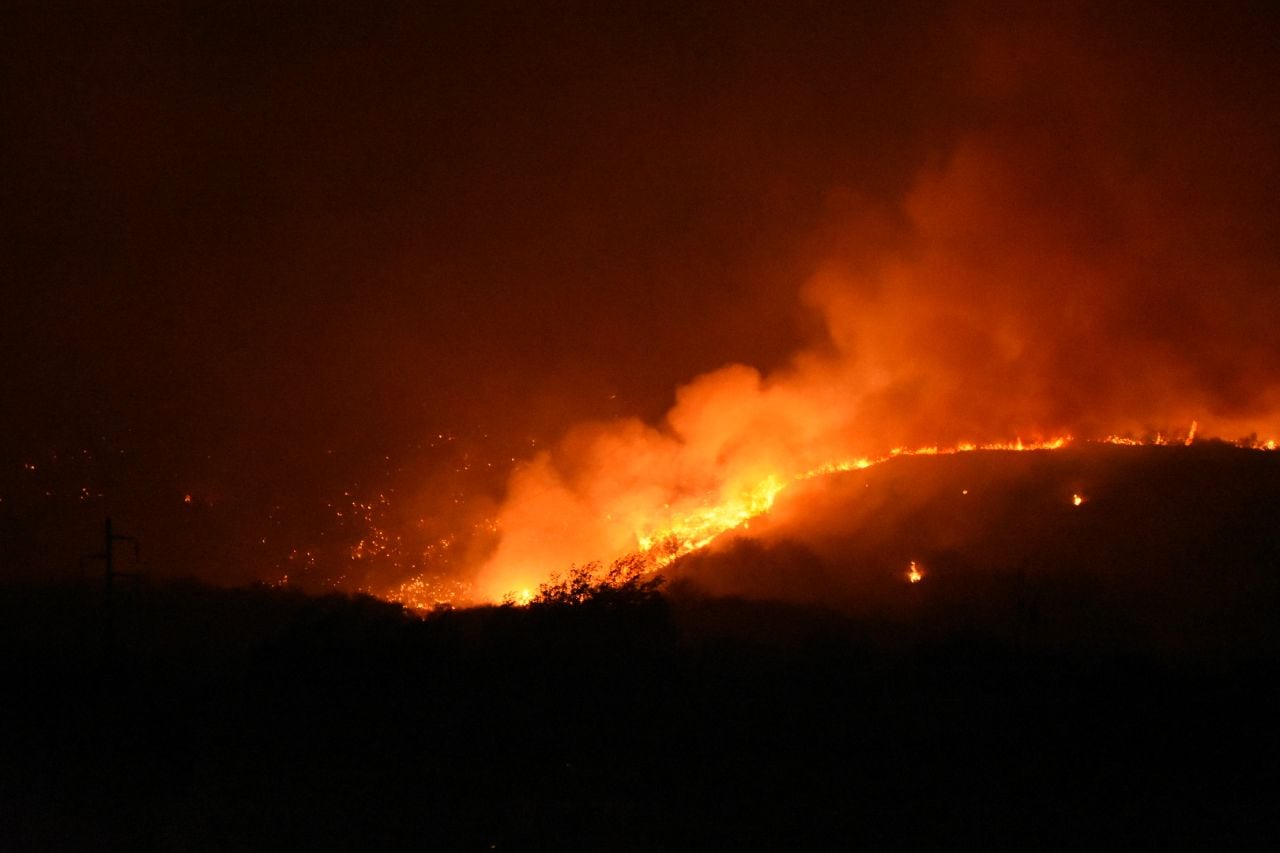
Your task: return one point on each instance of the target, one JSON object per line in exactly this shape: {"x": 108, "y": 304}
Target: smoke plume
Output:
{"x": 1095, "y": 254}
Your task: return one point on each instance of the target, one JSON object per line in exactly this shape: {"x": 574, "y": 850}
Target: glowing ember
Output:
{"x": 428, "y": 592}
{"x": 1077, "y": 499}
{"x": 914, "y": 573}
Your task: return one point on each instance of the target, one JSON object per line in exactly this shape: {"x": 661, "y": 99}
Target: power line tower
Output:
{"x": 109, "y": 575}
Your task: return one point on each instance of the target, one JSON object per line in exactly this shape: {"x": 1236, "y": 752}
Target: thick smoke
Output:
{"x": 1097, "y": 253}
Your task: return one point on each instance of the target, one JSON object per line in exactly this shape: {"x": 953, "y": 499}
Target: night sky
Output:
{"x": 262, "y": 257}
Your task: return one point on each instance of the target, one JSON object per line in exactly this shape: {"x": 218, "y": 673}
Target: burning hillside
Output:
{"x": 453, "y": 303}
{"x": 1157, "y": 545}
{"x": 874, "y": 403}
{"x": 873, "y": 534}
{"x": 1078, "y": 260}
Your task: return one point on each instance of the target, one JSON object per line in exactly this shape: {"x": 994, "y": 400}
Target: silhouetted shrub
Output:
{"x": 627, "y": 582}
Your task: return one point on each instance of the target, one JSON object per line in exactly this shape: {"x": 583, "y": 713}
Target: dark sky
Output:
{"x": 241, "y": 243}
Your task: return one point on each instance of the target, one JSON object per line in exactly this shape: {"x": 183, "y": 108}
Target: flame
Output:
{"x": 684, "y": 534}
{"x": 653, "y": 505}
{"x": 661, "y": 536}
{"x": 632, "y": 517}
{"x": 914, "y": 573}
{"x": 697, "y": 529}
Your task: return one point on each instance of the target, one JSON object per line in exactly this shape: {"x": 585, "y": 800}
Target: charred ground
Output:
{"x": 1065, "y": 676}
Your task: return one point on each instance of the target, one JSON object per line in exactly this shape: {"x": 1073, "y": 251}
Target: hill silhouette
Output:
{"x": 1027, "y": 693}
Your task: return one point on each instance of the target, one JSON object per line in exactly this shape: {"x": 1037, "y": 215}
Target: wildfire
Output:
{"x": 695, "y": 530}
{"x": 664, "y": 532}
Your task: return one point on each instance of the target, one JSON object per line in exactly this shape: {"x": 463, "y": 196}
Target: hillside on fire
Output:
{"x": 1049, "y": 650}
{"x": 705, "y": 425}
{"x": 1161, "y": 547}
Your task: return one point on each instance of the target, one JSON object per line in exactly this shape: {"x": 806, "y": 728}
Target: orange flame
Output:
{"x": 664, "y": 535}
{"x": 694, "y": 531}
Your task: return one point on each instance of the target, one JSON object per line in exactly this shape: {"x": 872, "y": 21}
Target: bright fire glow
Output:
{"x": 686, "y": 533}
{"x": 660, "y": 533}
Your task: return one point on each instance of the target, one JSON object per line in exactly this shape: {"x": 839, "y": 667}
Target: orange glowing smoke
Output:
{"x": 1055, "y": 270}
{"x": 954, "y": 317}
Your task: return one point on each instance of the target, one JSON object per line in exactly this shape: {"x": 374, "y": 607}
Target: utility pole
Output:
{"x": 109, "y": 539}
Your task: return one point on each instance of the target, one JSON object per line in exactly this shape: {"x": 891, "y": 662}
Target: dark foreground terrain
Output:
{"x": 339, "y": 723}
{"x": 261, "y": 719}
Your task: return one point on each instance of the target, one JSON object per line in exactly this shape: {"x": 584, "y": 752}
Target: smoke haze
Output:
{"x": 1093, "y": 254}
{"x": 289, "y": 260}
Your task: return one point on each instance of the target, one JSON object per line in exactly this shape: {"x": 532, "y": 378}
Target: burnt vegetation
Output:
{"x": 1008, "y": 705}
